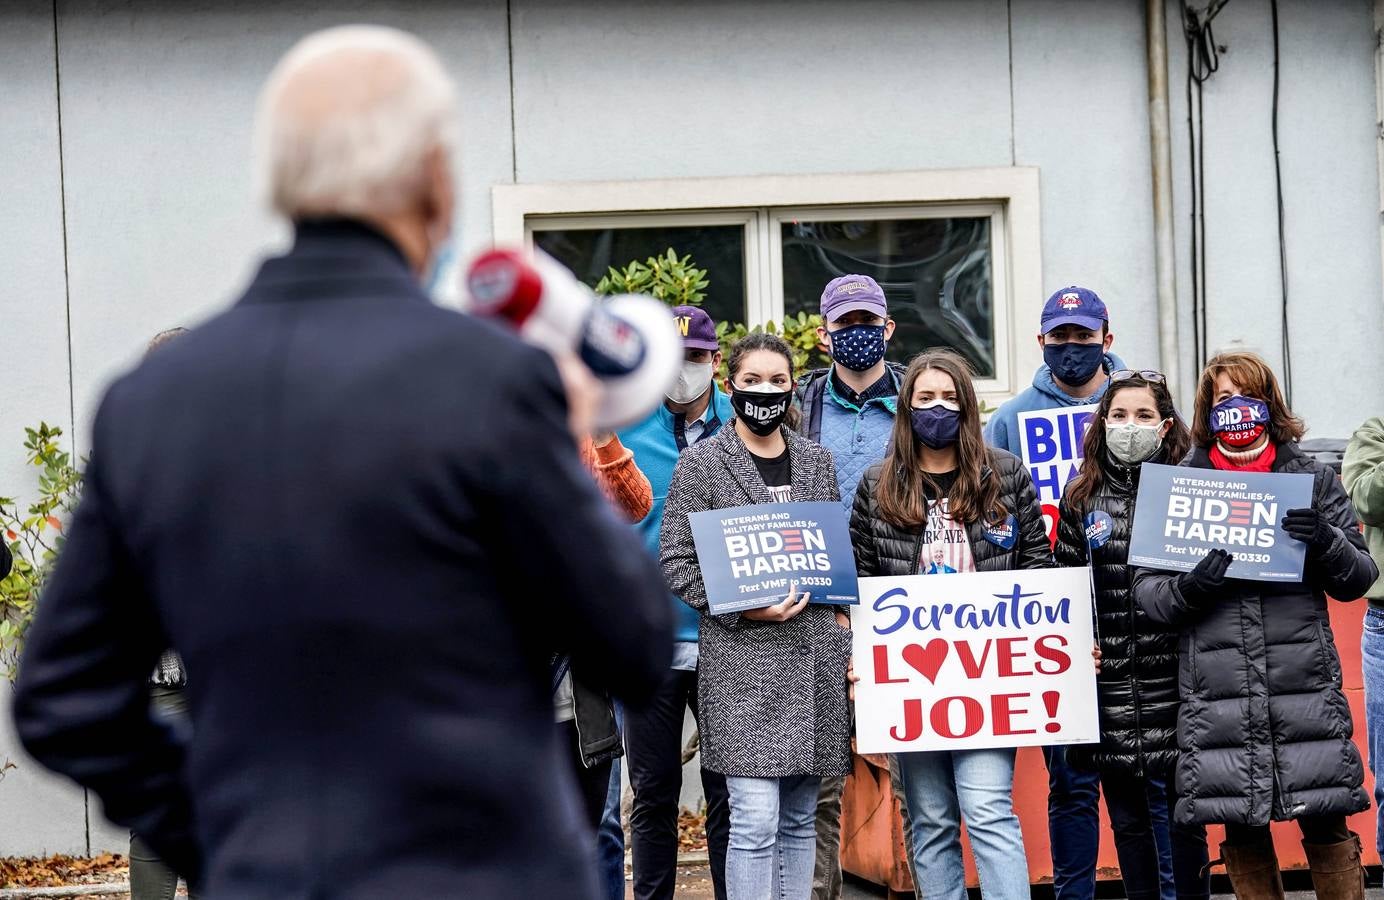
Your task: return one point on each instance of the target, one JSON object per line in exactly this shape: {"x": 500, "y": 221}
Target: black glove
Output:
{"x": 1207, "y": 578}
{"x": 1309, "y": 526}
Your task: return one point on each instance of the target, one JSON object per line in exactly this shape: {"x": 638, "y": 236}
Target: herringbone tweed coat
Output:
{"x": 772, "y": 695}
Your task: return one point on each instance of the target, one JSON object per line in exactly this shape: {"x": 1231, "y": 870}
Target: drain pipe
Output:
{"x": 1379, "y": 105}
{"x": 1160, "y": 146}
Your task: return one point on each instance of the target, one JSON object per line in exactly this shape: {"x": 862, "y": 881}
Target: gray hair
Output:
{"x": 347, "y": 120}
{"x": 163, "y": 337}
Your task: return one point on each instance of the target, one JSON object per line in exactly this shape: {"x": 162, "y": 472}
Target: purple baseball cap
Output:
{"x": 1074, "y": 306}
{"x": 697, "y": 330}
{"x": 850, "y": 293}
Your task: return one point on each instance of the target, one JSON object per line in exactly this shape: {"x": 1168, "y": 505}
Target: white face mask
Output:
{"x": 693, "y": 380}
{"x": 1132, "y": 443}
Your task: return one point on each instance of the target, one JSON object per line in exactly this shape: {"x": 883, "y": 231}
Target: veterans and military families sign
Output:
{"x": 1182, "y": 514}
{"x": 1050, "y": 443}
{"x": 989, "y": 659}
{"x": 750, "y": 555}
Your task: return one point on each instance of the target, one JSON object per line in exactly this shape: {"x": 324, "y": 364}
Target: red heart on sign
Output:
{"x": 926, "y": 659}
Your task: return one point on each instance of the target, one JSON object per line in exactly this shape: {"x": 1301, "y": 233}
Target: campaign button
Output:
{"x": 1099, "y": 527}
{"x": 1003, "y": 534}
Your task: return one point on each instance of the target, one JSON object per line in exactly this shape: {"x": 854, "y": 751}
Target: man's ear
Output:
{"x": 888, "y": 328}
{"x": 1109, "y": 339}
{"x": 1041, "y": 345}
{"x": 439, "y": 201}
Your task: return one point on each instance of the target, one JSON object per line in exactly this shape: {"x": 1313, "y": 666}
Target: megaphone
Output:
{"x": 629, "y": 342}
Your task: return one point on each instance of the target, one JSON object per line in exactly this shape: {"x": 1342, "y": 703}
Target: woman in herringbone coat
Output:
{"x": 771, "y": 682}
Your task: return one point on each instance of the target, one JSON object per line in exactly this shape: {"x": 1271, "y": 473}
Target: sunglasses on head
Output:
{"x": 1148, "y": 375}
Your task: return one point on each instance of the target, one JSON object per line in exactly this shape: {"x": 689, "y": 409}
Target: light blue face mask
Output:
{"x": 440, "y": 281}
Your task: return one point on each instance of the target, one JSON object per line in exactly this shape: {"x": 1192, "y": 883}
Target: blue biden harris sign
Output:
{"x": 1182, "y": 514}
{"x": 751, "y": 555}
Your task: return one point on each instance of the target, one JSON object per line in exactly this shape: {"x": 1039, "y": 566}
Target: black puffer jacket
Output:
{"x": 882, "y": 548}
{"x": 1264, "y": 731}
{"x": 1137, "y": 685}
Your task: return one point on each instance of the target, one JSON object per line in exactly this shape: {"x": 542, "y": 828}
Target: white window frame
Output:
{"x": 1009, "y": 195}
{"x": 996, "y": 384}
{"x": 757, "y": 305}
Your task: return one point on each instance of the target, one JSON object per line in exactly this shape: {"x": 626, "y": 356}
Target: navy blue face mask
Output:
{"x": 1073, "y": 363}
{"x": 858, "y": 347}
{"x": 936, "y": 426}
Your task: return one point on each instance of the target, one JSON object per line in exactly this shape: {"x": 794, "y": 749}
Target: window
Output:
{"x": 935, "y": 271}
{"x": 947, "y": 247}
{"x": 590, "y": 246}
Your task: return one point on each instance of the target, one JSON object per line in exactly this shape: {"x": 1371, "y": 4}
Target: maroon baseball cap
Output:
{"x": 697, "y": 330}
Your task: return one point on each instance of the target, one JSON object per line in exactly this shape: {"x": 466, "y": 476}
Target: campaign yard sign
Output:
{"x": 1182, "y": 514}
{"x": 981, "y": 659}
{"x": 1050, "y": 444}
{"x": 749, "y": 555}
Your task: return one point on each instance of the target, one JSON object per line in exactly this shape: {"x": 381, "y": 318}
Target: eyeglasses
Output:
{"x": 1148, "y": 375}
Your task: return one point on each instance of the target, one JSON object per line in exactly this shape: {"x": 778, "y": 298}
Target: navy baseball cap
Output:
{"x": 1074, "y": 306}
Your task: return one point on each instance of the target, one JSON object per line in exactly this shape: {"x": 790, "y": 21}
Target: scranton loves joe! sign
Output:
{"x": 1050, "y": 443}
{"x": 750, "y": 555}
{"x": 992, "y": 659}
{"x": 1182, "y": 514}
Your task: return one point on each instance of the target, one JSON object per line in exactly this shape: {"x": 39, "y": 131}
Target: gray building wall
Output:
{"x": 135, "y": 212}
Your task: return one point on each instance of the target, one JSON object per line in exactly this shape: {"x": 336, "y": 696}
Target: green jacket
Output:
{"x": 1363, "y": 473}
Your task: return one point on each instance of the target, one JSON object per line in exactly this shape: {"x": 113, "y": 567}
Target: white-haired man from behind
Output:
{"x": 367, "y": 536}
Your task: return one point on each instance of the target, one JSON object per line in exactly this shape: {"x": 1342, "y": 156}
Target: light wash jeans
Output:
{"x": 1372, "y": 667}
{"x": 941, "y": 789}
{"x": 773, "y": 837}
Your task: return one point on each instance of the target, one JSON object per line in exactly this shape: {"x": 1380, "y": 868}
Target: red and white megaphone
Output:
{"x": 629, "y": 342}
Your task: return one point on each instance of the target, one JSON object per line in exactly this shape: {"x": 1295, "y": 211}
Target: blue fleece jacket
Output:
{"x": 1002, "y": 430}
{"x": 655, "y": 448}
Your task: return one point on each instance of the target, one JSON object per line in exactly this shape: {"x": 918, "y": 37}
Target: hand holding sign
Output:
{"x": 793, "y": 604}
{"x": 1206, "y": 580}
{"x": 1309, "y": 526}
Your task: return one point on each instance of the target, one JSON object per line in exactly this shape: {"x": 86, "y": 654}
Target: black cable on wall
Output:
{"x": 1203, "y": 60}
{"x": 1282, "y": 241}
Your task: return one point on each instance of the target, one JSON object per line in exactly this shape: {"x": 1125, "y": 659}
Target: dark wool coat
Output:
{"x": 1137, "y": 685}
{"x": 882, "y": 548}
{"x": 1264, "y": 730}
{"x": 367, "y": 534}
{"x": 771, "y": 695}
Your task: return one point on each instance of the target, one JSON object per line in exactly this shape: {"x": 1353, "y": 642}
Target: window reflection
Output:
{"x": 935, "y": 272}
{"x": 720, "y": 249}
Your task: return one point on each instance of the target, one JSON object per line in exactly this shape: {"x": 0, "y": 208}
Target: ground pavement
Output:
{"x": 694, "y": 883}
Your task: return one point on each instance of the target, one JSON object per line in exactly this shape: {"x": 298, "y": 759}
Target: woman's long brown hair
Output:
{"x": 904, "y": 488}
{"x": 1176, "y": 442}
{"x": 1256, "y": 380}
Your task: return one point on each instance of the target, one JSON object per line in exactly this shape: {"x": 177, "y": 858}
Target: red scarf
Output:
{"x": 1262, "y": 463}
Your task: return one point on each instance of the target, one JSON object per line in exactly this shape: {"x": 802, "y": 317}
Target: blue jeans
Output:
{"x": 1372, "y": 666}
{"x": 1073, "y": 826}
{"x": 773, "y": 837}
{"x": 610, "y": 837}
{"x": 943, "y": 788}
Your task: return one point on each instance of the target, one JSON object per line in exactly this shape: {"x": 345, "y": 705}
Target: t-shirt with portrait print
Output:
{"x": 946, "y": 547}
